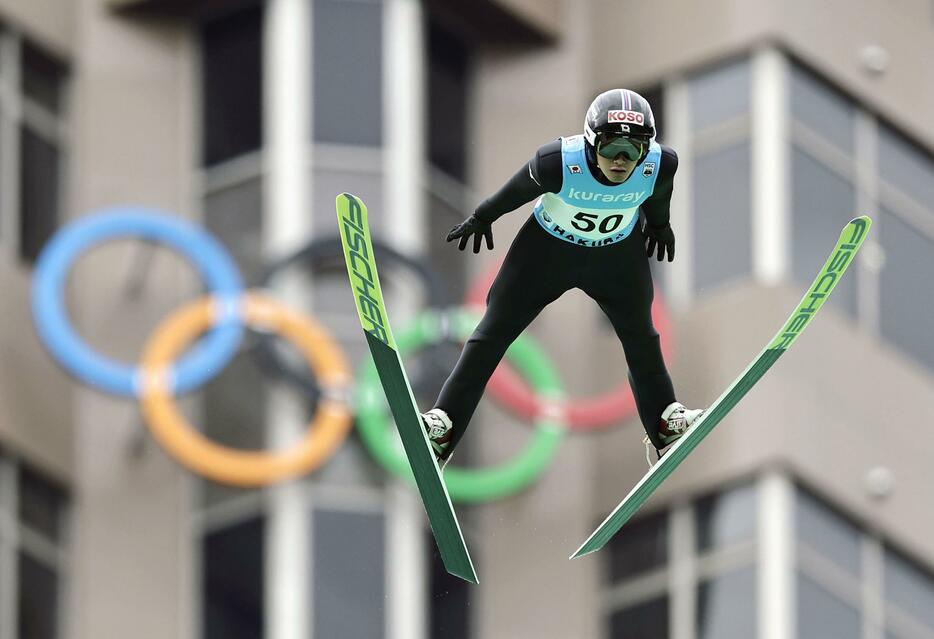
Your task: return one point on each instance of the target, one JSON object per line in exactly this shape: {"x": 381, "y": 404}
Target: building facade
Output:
{"x": 805, "y": 514}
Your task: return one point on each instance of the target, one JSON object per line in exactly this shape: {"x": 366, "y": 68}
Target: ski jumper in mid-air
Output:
{"x": 585, "y": 232}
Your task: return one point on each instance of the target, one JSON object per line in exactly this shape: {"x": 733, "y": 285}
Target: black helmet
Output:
{"x": 619, "y": 112}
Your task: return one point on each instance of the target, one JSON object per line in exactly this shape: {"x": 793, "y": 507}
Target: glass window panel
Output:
{"x": 42, "y": 77}
{"x": 909, "y": 587}
{"x": 822, "y": 615}
{"x": 822, "y": 203}
{"x": 39, "y": 187}
{"x": 349, "y": 574}
{"x": 41, "y": 504}
{"x": 235, "y": 216}
{"x": 347, "y": 59}
{"x": 726, "y": 518}
{"x": 448, "y": 68}
{"x": 905, "y": 314}
{"x": 233, "y": 582}
{"x": 726, "y": 606}
{"x": 642, "y": 546}
{"x": 906, "y": 166}
{"x": 823, "y": 109}
{"x": 647, "y": 620}
{"x": 722, "y": 221}
{"x": 449, "y": 616}
{"x": 38, "y": 600}
{"x": 368, "y": 186}
{"x": 827, "y": 532}
{"x": 719, "y": 94}
{"x": 232, "y": 85}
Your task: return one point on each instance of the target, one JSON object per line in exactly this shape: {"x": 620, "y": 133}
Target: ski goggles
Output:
{"x": 631, "y": 148}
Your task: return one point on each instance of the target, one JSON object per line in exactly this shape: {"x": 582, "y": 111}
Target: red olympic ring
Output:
{"x": 583, "y": 414}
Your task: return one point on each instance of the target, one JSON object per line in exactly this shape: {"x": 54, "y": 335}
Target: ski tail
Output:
{"x": 849, "y": 243}
{"x": 371, "y": 308}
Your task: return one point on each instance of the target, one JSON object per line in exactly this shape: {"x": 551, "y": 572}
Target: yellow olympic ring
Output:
{"x": 327, "y": 431}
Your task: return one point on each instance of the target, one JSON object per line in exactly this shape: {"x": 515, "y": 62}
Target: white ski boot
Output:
{"x": 675, "y": 421}
{"x": 438, "y": 426}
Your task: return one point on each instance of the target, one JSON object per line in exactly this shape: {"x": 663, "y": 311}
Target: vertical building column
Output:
{"x": 286, "y": 222}
{"x": 683, "y": 573}
{"x": 770, "y": 166}
{"x": 776, "y": 564}
{"x": 403, "y": 184}
{"x": 678, "y": 135}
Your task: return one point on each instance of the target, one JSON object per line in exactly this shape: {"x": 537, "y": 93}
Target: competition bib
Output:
{"x": 589, "y": 213}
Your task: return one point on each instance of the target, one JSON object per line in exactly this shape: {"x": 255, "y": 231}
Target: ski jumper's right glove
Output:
{"x": 473, "y": 225}
{"x": 662, "y": 236}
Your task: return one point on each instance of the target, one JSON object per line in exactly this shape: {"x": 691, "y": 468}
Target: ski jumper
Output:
{"x": 584, "y": 233}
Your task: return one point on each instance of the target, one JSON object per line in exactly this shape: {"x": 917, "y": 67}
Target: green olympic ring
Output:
{"x": 464, "y": 485}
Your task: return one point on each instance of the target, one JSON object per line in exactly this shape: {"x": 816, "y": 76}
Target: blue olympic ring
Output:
{"x": 208, "y": 256}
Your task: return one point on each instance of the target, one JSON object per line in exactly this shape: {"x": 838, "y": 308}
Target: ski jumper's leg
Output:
{"x": 534, "y": 274}
{"x": 619, "y": 280}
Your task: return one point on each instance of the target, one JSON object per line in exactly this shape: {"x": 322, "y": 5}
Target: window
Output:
{"x": 232, "y": 85}
{"x": 347, "y": 80}
{"x": 823, "y": 201}
{"x": 233, "y": 581}
{"x": 822, "y": 110}
{"x": 909, "y": 589}
{"x": 449, "y": 611}
{"x": 822, "y": 615}
{"x": 349, "y": 574}
{"x": 646, "y": 620}
{"x": 34, "y": 539}
{"x": 726, "y": 518}
{"x": 905, "y": 166}
{"x": 726, "y": 606}
{"x": 640, "y": 592}
{"x": 722, "y": 225}
{"x": 905, "y": 316}
{"x": 644, "y": 547}
{"x": 31, "y": 169}
{"x": 828, "y": 533}
{"x": 720, "y": 94}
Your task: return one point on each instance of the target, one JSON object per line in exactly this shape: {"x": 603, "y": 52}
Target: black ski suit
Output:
{"x": 539, "y": 268}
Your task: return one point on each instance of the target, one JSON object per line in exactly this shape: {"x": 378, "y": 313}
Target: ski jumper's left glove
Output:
{"x": 662, "y": 237}
{"x": 473, "y": 225}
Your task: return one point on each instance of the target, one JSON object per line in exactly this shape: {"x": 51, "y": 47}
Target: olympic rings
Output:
{"x": 319, "y": 255}
{"x": 76, "y": 356}
{"x": 222, "y": 315}
{"x": 240, "y": 468}
{"x": 464, "y": 485}
{"x": 581, "y": 414}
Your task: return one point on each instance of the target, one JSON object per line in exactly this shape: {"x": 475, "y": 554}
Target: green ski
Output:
{"x": 851, "y": 238}
{"x": 364, "y": 280}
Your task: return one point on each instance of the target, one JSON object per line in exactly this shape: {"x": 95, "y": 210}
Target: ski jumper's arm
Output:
{"x": 542, "y": 174}
{"x": 657, "y": 207}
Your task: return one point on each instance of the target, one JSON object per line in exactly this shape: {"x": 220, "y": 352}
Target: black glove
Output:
{"x": 664, "y": 237}
{"x": 472, "y": 226}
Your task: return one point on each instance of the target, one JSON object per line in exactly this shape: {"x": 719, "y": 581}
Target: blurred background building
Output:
{"x": 806, "y": 514}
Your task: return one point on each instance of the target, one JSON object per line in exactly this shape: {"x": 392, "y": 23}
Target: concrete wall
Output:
{"x": 49, "y": 22}
{"x": 673, "y": 35}
{"x": 33, "y": 427}
{"x": 133, "y": 121}
{"x": 838, "y": 404}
